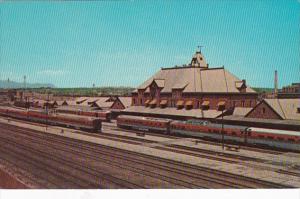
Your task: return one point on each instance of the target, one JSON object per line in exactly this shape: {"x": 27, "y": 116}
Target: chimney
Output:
{"x": 275, "y": 84}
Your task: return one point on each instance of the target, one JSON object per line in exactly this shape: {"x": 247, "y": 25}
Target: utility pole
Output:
{"x": 24, "y": 82}
{"x": 47, "y": 108}
{"x": 222, "y": 130}
{"x": 275, "y": 84}
{"x": 94, "y": 91}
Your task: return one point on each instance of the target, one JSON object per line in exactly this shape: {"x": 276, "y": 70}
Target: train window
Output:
{"x": 215, "y": 131}
{"x": 209, "y": 130}
{"x": 233, "y": 133}
{"x": 261, "y": 136}
{"x": 280, "y": 138}
{"x": 291, "y": 139}
{"x": 270, "y": 137}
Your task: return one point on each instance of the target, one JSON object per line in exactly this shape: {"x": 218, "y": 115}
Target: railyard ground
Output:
{"x": 281, "y": 168}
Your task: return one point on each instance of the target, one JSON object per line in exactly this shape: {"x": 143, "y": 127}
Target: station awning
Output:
{"x": 179, "y": 103}
{"x": 163, "y": 102}
{"x": 205, "y": 103}
{"x": 189, "y": 103}
{"x": 221, "y": 103}
{"x": 147, "y": 102}
{"x": 153, "y": 102}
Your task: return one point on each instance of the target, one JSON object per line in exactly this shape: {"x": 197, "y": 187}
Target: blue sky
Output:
{"x": 76, "y": 44}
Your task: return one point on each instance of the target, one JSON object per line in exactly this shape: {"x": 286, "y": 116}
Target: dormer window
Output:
{"x": 241, "y": 85}
{"x": 221, "y": 105}
{"x": 205, "y": 105}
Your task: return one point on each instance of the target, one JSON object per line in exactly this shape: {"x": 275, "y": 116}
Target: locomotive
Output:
{"x": 282, "y": 139}
{"x": 75, "y": 121}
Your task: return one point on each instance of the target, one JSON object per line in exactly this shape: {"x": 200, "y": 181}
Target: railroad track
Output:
{"x": 202, "y": 153}
{"x": 266, "y": 150}
{"x": 39, "y": 170}
{"x": 26, "y": 177}
{"x": 85, "y": 177}
{"x": 194, "y": 170}
{"x": 205, "y": 141}
{"x": 196, "y": 152}
{"x": 139, "y": 141}
{"x": 176, "y": 180}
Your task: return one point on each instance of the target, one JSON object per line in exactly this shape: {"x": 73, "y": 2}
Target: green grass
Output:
{"x": 104, "y": 91}
{"x": 262, "y": 90}
{"x": 86, "y": 91}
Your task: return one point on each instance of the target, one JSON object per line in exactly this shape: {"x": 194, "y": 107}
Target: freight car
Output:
{"x": 204, "y": 129}
{"x": 74, "y": 121}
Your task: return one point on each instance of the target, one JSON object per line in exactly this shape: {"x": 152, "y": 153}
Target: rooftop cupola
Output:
{"x": 198, "y": 60}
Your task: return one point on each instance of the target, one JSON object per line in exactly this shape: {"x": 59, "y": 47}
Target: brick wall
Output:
{"x": 117, "y": 105}
{"x": 232, "y": 100}
{"x": 263, "y": 111}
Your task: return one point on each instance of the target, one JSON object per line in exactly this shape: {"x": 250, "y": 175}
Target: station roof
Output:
{"x": 103, "y": 103}
{"x": 91, "y": 100}
{"x": 126, "y": 101}
{"x": 196, "y": 79}
{"x": 287, "y": 109}
{"x": 261, "y": 120}
{"x": 171, "y": 111}
{"x": 76, "y": 108}
{"x": 241, "y": 111}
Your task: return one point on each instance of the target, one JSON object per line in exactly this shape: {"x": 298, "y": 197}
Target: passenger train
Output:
{"x": 282, "y": 139}
{"x": 79, "y": 122}
{"x": 105, "y": 116}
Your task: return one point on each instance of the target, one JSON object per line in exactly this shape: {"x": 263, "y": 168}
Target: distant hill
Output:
{"x": 13, "y": 84}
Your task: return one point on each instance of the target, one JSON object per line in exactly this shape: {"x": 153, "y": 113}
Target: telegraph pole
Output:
{"x": 24, "y": 82}
{"x": 222, "y": 130}
{"x": 47, "y": 108}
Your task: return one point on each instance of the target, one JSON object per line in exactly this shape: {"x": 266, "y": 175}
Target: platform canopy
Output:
{"x": 153, "y": 102}
{"x": 189, "y": 103}
{"x": 205, "y": 103}
{"x": 180, "y": 103}
{"x": 163, "y": 102}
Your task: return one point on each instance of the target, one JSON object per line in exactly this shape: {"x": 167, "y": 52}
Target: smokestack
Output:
{"x": 24, "y": 81}
{"x": 276, "y": 84}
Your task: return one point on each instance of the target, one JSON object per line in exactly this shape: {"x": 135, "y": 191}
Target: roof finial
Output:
{"x": 200, "y": 48}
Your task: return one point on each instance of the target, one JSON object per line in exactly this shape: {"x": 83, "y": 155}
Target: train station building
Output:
{"x": 193, "y": 90}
